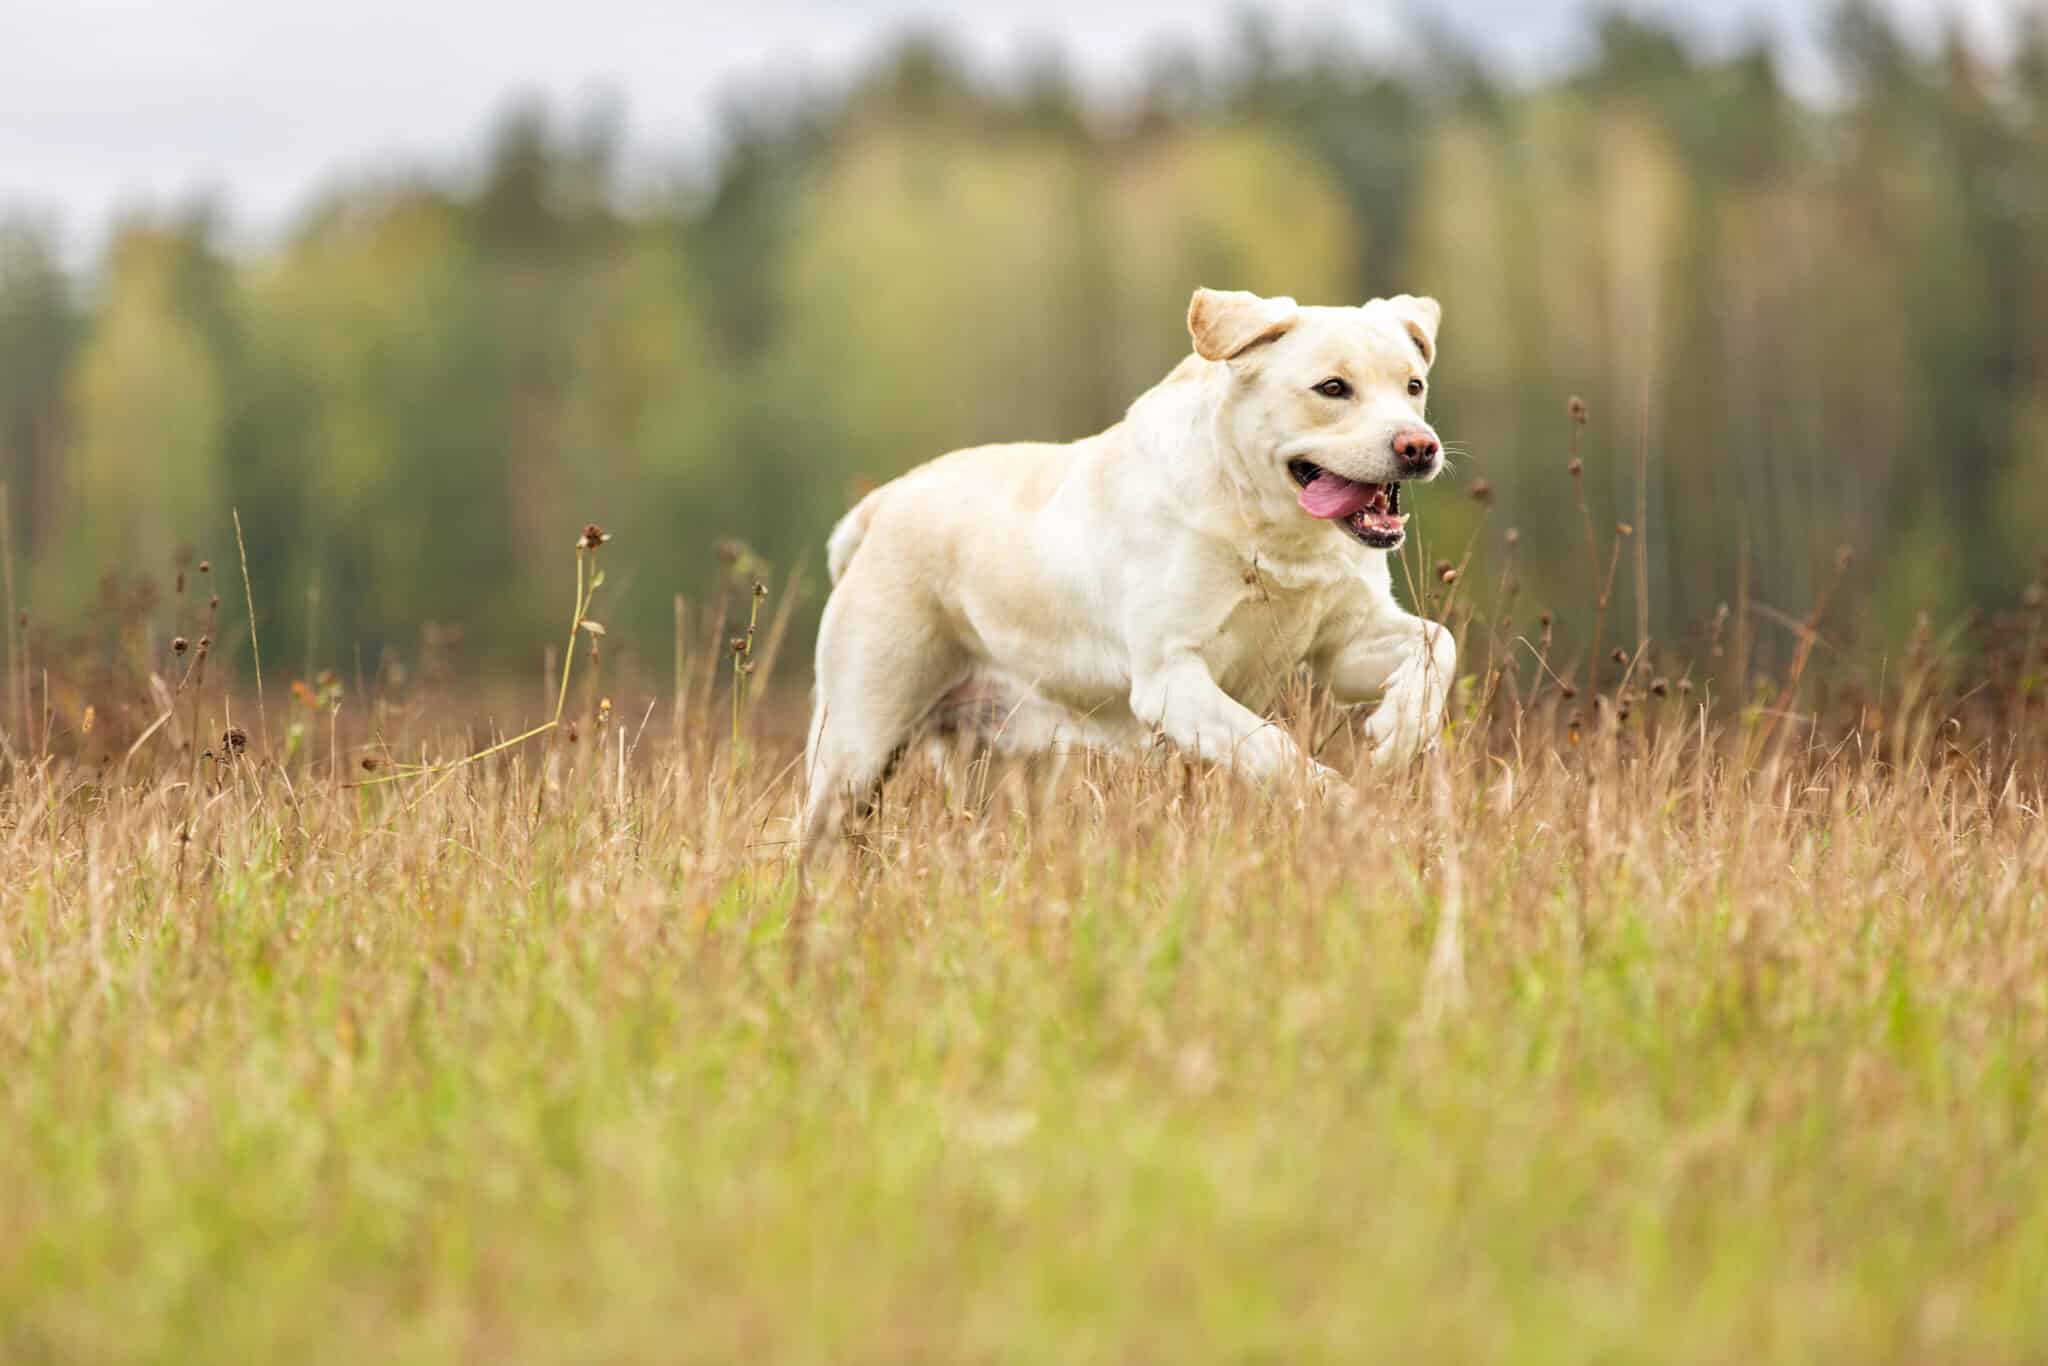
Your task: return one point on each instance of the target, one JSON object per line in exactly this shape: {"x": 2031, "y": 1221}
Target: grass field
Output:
{"x": 1616, "y": 1032}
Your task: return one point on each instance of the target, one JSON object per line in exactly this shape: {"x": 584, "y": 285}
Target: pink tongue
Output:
{"x": 1332, "y": 495}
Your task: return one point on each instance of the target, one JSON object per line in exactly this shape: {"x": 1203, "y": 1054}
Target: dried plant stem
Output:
{"x": 680, "y": 683}
{"x": 778, "y": 629}
{"x": 1592, "y": 556}
{"x": 586, "y": 588}
{"x": 569, "y": 651}
{"x": 1600, "y": 604}
{"x": 1642, "y": 536}
{"x": 1809, "y": 633}
{"x": 583, "y": 593}
{"x": 1443, "y": 990}
{"x": 16, "y": 671}
{"x": 195, "y": 678}
{"x": 742, "y": 663}
{"x": 255, "y": 651}
{"x": 447, "y": 771}
{"x": 1495, "y": 675}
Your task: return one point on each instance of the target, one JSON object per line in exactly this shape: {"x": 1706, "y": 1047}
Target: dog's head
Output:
{"x": 1325, "y": 405}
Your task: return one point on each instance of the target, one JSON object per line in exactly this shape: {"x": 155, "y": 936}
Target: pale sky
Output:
{"x": 109, "y": 103}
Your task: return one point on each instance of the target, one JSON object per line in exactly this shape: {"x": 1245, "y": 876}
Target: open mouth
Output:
{"x": 1370, "y": 512}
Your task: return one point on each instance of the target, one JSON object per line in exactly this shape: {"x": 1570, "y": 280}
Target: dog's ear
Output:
{"x": 1421, "y": 316}
{"x": 1226, "y": 323}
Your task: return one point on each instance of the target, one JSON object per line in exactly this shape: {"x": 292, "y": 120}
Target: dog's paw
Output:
{"x": 1411, "y": 709}
{"x": 1408, "y": 719}
{"x": 1394, "y": 741}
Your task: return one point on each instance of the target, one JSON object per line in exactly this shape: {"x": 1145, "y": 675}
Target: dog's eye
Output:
{"x": 1415, "y": 388}
{"x": 1334, "y": 388}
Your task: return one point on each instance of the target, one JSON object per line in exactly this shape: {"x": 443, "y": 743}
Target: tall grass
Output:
{"x": 1737, "y": 1052}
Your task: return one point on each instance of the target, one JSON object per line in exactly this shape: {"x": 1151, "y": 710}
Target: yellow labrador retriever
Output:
{"x": 1165, "y": 576}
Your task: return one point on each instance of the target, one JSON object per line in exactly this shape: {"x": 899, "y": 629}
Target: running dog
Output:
{"x": 1162, "y": 577}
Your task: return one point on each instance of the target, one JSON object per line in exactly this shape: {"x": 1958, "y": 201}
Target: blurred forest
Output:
{"x": 1817, "y": 324}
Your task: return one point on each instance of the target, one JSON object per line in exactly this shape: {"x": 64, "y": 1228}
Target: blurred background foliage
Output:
{"x": 1817, "y": 322}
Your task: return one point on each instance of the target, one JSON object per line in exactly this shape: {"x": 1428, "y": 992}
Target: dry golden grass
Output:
{"x": 1622, "y": 1029}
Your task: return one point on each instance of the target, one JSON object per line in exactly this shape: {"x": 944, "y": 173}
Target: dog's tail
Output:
{"x": 847, "y": 536}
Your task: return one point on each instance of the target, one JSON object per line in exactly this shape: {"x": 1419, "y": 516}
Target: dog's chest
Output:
{"x": 1264, "y": 636}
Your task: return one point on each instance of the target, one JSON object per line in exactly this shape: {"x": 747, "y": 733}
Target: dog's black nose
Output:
{"x": 1416, "y": 449}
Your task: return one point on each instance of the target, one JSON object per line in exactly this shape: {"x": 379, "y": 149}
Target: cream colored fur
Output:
{"x": 1099, "y": 592}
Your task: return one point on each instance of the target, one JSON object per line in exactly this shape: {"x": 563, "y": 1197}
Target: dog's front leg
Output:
{"x": 1411, "y": 662}
{"x": 1182, "y": 700}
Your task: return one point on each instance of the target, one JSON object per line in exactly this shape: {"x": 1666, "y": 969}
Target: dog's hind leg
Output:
{"x": 878, "y": 677}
